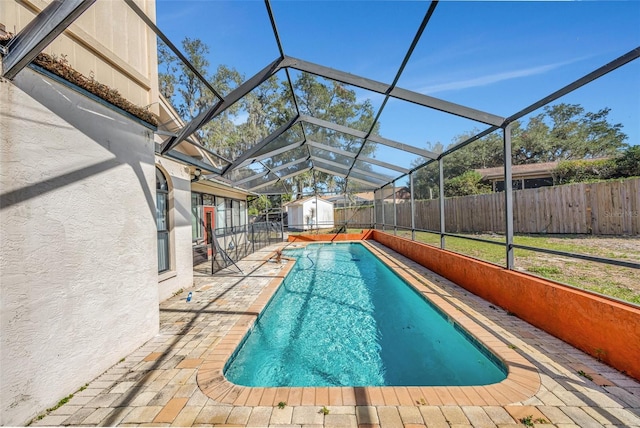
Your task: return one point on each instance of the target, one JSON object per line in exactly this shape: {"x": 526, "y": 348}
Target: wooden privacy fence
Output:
{"x": 361, "y": 216}
{"x": 605, "y": 208}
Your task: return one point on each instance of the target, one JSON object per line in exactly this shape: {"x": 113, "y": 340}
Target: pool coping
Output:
{"x": 521, "y": 383}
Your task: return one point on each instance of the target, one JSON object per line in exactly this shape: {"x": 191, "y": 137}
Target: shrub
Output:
{"x": 628, "y": 163}
{"x": 468, "y": 183}
{"x": 576, "y": 171}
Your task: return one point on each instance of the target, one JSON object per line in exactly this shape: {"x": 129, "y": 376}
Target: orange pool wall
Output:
{"x": 332, "y": 237}
{"x": 601, "y": 327}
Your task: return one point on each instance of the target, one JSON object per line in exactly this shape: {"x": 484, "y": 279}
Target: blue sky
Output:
{"x": 498, "y": 57}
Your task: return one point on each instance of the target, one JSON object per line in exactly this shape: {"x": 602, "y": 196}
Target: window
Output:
{"x": 243, "y": 213}
{"x": 208, "y": 200}
{"x": 196, "y": 216}
{"x": 229, "y": 214}
{"x": 162, "y": 220}
{"x": 236, "y": 215}
{"x": 220, "y": 216}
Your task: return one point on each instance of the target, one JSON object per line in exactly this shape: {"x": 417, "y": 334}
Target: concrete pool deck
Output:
{"x": 175, "y": 379}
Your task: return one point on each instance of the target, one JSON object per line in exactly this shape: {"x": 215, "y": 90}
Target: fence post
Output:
{"x": 589, "y": 209}
{"x": 441, "y": 192}
{"x": 508, "y": 196}
{"x": 413, "y": 209}
{"x": 375, "y": 215}
{"x": 344, "y": 212}
{"x": 395, "y": 223}
{"x": 382, "y": 209}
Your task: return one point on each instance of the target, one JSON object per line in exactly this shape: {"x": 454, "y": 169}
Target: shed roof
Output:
{"x": 307, "y": 199}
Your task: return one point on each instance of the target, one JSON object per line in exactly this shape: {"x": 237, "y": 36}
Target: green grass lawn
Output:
{"x": 610, "y": 280}
{"x": 615, "y": 281}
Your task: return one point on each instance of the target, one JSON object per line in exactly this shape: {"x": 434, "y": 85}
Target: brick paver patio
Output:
{"x": 170, "y": 381}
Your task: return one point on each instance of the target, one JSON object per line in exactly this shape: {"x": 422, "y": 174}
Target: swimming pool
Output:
{"x": 343, "y": 318}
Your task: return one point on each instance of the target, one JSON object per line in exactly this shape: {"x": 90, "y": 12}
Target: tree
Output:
{"x": 263, "y": 110}
{"x": 485, "y": 153}
{"x": 333, "y": 102}
{"x": 576, "y": 171}
{"x": 259, "y": 205}
{"x": 426, "y": 180}
{"x": 628, "y": 163}
{"x": 530, "y": 145}
{"x": 167, "y": 80}
{"x": 468, "y": 183}
{"x": 195, "y": 95}
{"x": 567, "y": 132}
{"x": 563, "y": 132}
{"x": 247, "y": 122}
{"x": 184, "y": 89}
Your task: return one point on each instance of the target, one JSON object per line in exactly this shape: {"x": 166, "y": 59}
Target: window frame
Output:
{"x": 163, "y": 224}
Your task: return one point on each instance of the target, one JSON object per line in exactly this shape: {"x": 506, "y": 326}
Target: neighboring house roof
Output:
{"x": 303, "y": 200}
{"x": 355, "y": 198}
{"x": 532, "y": 170}
{"x": 401, "y": 193}
{"x": 367, "y": 196}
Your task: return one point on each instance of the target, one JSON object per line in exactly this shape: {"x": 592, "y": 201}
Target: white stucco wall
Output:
{"x": 325, "y": 213}
{"x": 180, "y": 274}
{"x": 309, "y": 214}
{"x": 78, "y": 262}
{"x": 295, "y": 217}
{"x": 322, "y": 214}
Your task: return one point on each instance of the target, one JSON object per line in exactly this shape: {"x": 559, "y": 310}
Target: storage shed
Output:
{"x": 310, "y": 213}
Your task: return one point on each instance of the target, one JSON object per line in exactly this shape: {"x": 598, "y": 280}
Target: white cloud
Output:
{"x": 174, "y": 17}
{"x": 492, "y": 78}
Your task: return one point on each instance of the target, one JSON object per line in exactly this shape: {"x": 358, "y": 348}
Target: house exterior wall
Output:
{"x": 299, "y": 216}
{"x": 221, "y": 191}
{"x": 325, "y": 214}
{"x": 180, "y": 274}
{"x": 308, "y": 215}
{"x": 78, "y": 259}
{"x": 108, "y": 41}
{"x": 308, "y": 220}
{"x": 295, "y": 218}
{"x": 299, "y": 213}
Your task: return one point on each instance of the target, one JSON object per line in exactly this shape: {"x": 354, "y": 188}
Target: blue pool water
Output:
{"x": 343, "y": 318}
